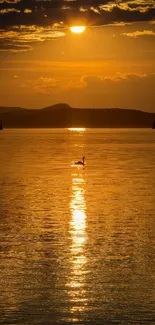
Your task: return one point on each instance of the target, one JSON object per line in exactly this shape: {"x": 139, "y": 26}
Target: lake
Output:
{"x": 77, "y": 243}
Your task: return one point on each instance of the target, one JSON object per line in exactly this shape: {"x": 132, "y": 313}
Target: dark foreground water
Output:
{"x": 77, "y": 245}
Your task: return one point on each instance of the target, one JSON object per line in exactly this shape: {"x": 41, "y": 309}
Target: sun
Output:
{"x": 77, "y": 29}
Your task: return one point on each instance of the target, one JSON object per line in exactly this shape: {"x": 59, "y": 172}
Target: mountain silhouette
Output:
{"x": 4, "y": 109}
{"x": 62, "y": 115}
{"x": 57, "y": 107}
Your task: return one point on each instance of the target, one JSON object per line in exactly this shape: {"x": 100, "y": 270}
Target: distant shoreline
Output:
{"x": 63, "y": 116}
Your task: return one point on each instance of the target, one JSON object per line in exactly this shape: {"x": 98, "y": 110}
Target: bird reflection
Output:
{"x": 77, "y": 230}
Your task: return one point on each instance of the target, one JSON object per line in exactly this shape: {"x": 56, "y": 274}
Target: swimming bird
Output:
{"x": 80, "y": 162}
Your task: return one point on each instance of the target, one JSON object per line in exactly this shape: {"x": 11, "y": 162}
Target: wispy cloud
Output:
{"x": 43, "y": 85}
{"x": 139, "y": 33}
{"x": 20, "y": 38}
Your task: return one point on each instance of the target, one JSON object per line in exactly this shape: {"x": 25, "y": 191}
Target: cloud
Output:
{"x": 43, "y": 85}
{"x": 139, "y": 33}
{"x": 48, "y": 18}
{"x": 47, "y": 86}
{"x": 100, "y": 81}
{"x": 12, "y": 47}
{"x": 19, "y": 38}
{"x": 122, "y": 90}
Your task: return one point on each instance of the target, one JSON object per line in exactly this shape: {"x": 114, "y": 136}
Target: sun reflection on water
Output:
{"x": 77, "y": 231}
{"x": 77, "y": 129}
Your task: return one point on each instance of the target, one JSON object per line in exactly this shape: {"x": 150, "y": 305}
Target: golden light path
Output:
{"x": 77, "y": 278}
{"x": 77, "y": 29}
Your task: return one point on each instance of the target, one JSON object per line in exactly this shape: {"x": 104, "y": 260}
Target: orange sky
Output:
{"x": 109, "y": 65}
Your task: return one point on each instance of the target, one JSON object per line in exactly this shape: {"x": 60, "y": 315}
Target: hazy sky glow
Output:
{"x": 111, "y": 64}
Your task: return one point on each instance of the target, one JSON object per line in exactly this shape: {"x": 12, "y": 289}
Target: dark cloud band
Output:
{"x": 97, "y": 12}
{"x": 60, "y": 13}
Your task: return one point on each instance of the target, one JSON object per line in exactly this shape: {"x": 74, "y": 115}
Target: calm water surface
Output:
{"x": 77, "y": 244}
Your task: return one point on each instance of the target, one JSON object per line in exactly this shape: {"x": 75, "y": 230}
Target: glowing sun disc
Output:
{"x": 77, "y": 29}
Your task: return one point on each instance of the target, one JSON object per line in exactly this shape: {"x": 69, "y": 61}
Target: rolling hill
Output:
{"x": 62, "y": 115}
